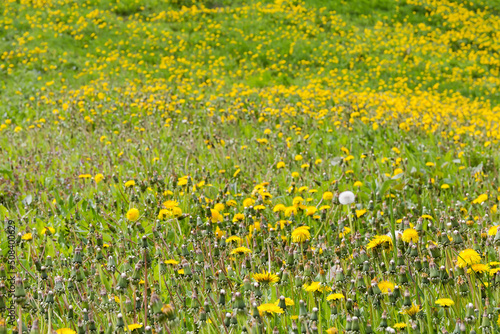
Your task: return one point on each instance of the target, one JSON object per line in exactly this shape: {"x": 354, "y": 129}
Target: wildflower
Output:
{"x": 479, "y": 268}
{"x": 133, "y": 214}
{"x": 298, "y": 157}
{"x": 335, "y": 296}
{"x": 311, "y": 210}
{"x": 290, "y": 210}
{"x": 445, "y": 302}
{"x": 411, "y": 311}
{"x": 234, "y": 238}
{"x": 358, "y": 184}
{"x": 84, "y": 176}
{"x": 301, "y": 234}
{"x": 65, "y": 331}
{"x": 380, "y": 241}
{"x": 266, "y": 278}
{"x": 248, "y": 202}
{"x": 385, "y": 286}
{"x": 327, "y": 196}
{"x": 493, "y": 230}
{"x": 279, "y": 208}
{"x": 288, "y": 302}
{"x": 216, "y": 216}
{"x": 240, "y": 250}
{"x": 170, "y": 204}
{"x": 171, "y": 261}
{"x": 399, "y": 325}
{"x": 480, "y": 199}
{"x": 129, "y": 184}
{"x": 98, "y": 178}
{"x": 360, "y": 213}
{"x": 134, "y": 326}
{"x": 50, "y": 229}
{"x": 468, "y": 257}
{"x": 238, "y": 217}
{"x": 317, "y": 287}
{"x": 269, "y": 309}
{"x": 280, "y": 164}
{"x": 332, "y": 330}
{"x": 346, "y": 197}
{"x": 410, "y": 234}
{"x": 27, "y": 236}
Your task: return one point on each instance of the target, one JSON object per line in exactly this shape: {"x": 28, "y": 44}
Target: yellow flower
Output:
{"x": 280, "y": 164}
{"x": 479, "y": 268}
{"x": 295, "y": 175}
{"x": 384, "y": 286}
{"x": 65, "y": 331}
{"x": 332, "y": 330}
{"x": 301, "y": 234}
{"x": 468, "y": 257}
{"x": 27, "y": 236}
{"x": 133, "y": 214}
{"x": 84, "y": 176}
{"x": 170, "y": 204}
{"x": 266, "y": 278}
{"x": 311, "y": 210}
{"x": 182, "y": 181}
{"x": 298, "y": 157}
{"x": 360, "y": 213}
{"x": 219, "y": 207}
{"x": 493, "y": 230}
{"x": 248, "y": 202}
{"x": 382, "y": 241}
{"x": 317, "y": 287}
{"x": 98, "y": 178}
{"x": 358, "y": 184}
{"x": 399, "y": 325}
{"x": 445, "y": 302}
{"x": 279, "y": 208}
{"x": 288, "y": 302}
{"x": 234, "y": 238}
{"x": 50, "y": 229}
{"x": 480, "y": 199}
{"x": 240, "y": 250}
{"x": 130, "y": 183}
{"x": 289, "y": 210}
{"x": 238, "y": 217}
{"x": 327, "y": 196}
{"x": 430, "y": 164}
{"x": 410, "y": 234}
{"x": 269, "y": 309}
{"x": 216, "y": 216}
{"x": 134, "y": 326}
{"x": 411, "y": 311}
{"x": 171, "y": 261}
{"x": 335, "y": 296}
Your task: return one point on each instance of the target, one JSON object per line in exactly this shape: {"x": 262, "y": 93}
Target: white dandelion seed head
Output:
{"x": 347, "y": 197}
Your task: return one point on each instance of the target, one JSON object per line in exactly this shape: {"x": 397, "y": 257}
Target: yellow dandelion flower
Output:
{"x": 301, "y": 234}
{"x": 133, "y": 214}
{"x": 468, "y": 257}
{"x": 479, "y": 268}
{"x": 130, "y": 183}
{"x": 240, "y": 250}
{"x": 65, "y": 331}
{"x": 266, "y": 278}
{"x": 385, "y": 286}
{"x": 335, "y": 296}
{"x": 410, "y": 234}
{"x": 269, "y": 309}
{"x": 380, "y": 241}
{"x": 445, "y": 302}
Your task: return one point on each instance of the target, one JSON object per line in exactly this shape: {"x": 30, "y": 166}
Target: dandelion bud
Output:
{"x": 222, "y": 297}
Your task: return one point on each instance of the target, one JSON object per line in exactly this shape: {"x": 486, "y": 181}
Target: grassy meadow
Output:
{"x": 230, "y": 166}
